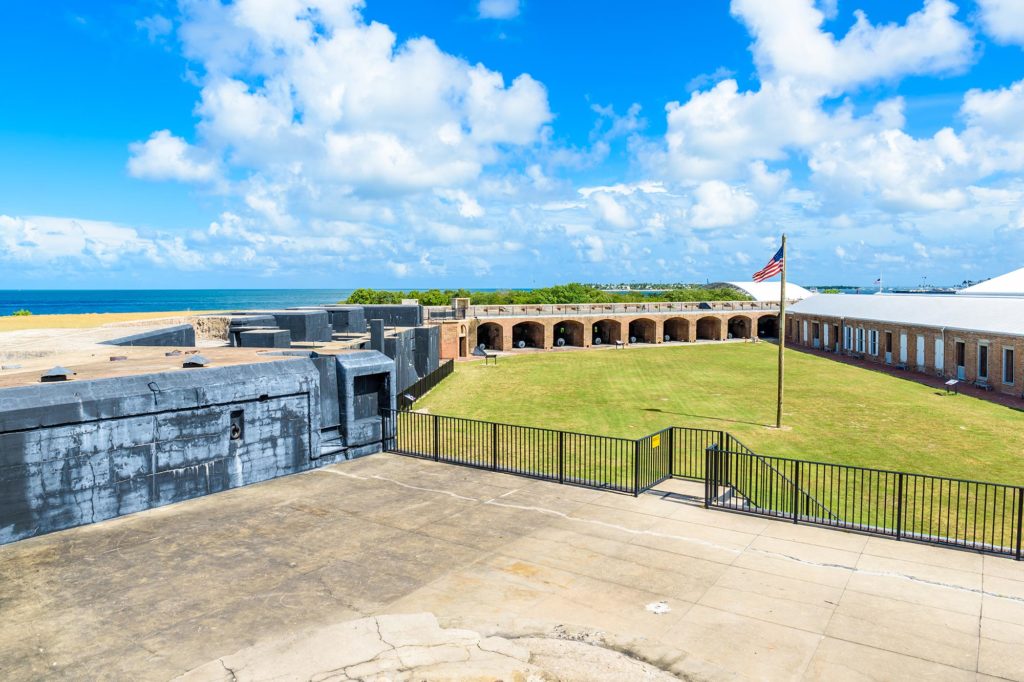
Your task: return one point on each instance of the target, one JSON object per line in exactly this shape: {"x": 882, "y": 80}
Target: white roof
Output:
{"x": 769, "y": 291}
{"x": 1010, "y": 284}
{"x": 993, "y": 314}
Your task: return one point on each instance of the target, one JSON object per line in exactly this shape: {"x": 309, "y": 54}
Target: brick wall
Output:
{"x": 797, "y": 334}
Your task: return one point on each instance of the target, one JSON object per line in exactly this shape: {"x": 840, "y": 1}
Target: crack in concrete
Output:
{"x": 887, "y": 574}
{"x": 695, "y": 541}
{"x": 234, "y": 678}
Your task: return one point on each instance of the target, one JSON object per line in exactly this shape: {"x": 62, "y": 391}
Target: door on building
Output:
{"x": 920, "y": 352}
{"x": 903, "y": 348}
{"x": 983, "y": 362}
{"x": 816, "y": 335}
{"x": 940, "y": 357}
{"x": 888, "y": 348}
{"x": 961, "y": 360}
{"x": 835, "y": 335}
{"x": 805, "y": 336}
{"x": 824, "y": 341}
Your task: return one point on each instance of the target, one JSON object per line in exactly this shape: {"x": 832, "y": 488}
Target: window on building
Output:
{"x": 1007, "y": 365}
{"x": 848, "y": 338}
{"x": 888, "y": 342}
{"x": 873, "y": 342}
{"x": 982, "y": 361}
{"x": 860, "y": 339}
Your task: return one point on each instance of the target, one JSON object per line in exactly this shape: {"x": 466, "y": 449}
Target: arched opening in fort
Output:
{"x": 643, "y": 331}
{"x": 677, "y": 329}
{"x": 528, "y": 335}
{"x": 605, "y": 332}
{"x": 768, "y": 327}
{"x": 489, "y": 335}
{"x": 709, "y": 328}
{"x": 739, "y": 327}
{"x": 568, "y": 333}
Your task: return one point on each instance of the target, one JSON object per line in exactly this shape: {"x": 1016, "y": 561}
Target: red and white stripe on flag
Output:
{"x": 773, "y": 267}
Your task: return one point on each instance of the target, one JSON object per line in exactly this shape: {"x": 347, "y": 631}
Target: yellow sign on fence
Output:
{"x": 656, "y": 440}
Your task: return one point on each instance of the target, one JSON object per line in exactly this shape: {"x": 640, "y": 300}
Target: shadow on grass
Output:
{"x": 703, "y": 416}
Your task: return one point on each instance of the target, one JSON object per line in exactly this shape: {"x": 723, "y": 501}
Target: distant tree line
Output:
{"x": 560, "y": 294}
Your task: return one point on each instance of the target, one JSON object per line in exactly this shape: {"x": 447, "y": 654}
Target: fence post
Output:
{"x": 494, "y": 446}
{"x": 1020, "y": 519}
{"x": 796, "y": 492}
{"x": 672, "y": 451}
{"x": 437, "y": 439}
{"x": 707, "y": 476}
{"x": 561, "y": 456}
{"x": 899, "y": 506}
{"x": 636, "y": 468}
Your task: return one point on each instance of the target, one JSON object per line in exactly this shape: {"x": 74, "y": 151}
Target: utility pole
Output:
{"x": 782, "y": 334}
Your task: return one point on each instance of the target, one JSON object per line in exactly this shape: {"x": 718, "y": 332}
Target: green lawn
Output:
{"x": 834, "y": 412}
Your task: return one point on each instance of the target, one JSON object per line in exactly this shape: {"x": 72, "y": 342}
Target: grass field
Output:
{"x": 10, "y": 323}
{"x": 834, "y": 412}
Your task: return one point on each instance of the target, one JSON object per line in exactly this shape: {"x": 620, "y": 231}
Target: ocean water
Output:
{"x": 155, "y": 300}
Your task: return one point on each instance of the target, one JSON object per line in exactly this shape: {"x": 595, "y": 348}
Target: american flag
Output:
{"x": 773, "y": 268}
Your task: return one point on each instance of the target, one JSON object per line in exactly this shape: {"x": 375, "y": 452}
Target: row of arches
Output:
{"x": 532, "y": 334}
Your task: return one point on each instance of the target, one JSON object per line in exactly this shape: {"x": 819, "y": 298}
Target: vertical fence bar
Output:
{"x": 494, "y": 446}
{"x": 1020, "y": 520}
{"x": 437, "y": 438}
{"x": 708, "y": 464}
{"x": 672, "y": 451}
{"x": 561, "y": 456}
{"x": 796, "y": 492}
{"x": 636, "y": 468}
{"x": 899, "y": 506}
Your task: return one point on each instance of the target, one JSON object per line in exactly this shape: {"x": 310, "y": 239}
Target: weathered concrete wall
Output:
{"x": 344, "y": 319}
{"x": 395, "y": 315}
{"x": 305, "y": 325}
{"x": 178, "y": 335}
{"x": 265, "y": 338}
{"x": 428, "y": 349}
{"x": 366, "y": 382}
{"x": 81, "y": 452}
{"x": 348, "y": 319}
{"x": 401, "y": 347}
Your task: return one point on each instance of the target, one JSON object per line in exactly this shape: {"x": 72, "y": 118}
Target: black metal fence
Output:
{"x": 973, "y": 515}
{"x": 411, "y": 394}
{"x": 564, "y": 456}
{"x": 987, "y": 517}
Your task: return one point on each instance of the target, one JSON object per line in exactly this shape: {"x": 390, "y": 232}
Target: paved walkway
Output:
{"x": 393, "y": 568}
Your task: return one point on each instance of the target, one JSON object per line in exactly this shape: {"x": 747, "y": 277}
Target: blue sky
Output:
{"x": 332, "y": 143}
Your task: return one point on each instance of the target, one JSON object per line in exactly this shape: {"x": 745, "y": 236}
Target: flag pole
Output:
{"x": 782, "y": 334}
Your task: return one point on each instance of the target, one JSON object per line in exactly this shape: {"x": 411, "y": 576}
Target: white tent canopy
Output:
{"x": 1010, "y": 284}
{"x": 766, "y": 291}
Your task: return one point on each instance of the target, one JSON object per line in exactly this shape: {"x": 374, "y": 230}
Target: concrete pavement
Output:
{"x": 394, "y": 568}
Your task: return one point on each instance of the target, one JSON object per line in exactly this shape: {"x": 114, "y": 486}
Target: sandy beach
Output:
{"x": 10, "y": 323}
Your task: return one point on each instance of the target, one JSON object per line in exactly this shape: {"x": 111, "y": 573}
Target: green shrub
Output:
{"x": 21, "y": 313}
{"x": 560, "y": 294}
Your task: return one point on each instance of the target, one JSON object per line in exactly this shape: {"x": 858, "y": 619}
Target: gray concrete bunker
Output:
{"x": 77, "y": 452}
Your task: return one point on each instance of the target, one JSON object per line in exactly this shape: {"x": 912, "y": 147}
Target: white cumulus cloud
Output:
{"x": 719, "y": 205}
{"x": 498, "y": 9}
{"x": 1003, "y": 20}
{"x": 167, "y": 157}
